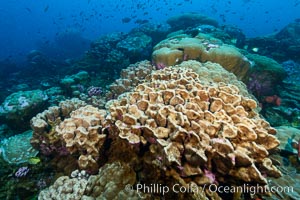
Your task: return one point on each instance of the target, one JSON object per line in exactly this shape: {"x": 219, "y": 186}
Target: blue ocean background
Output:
{"x": 25, "y": 24}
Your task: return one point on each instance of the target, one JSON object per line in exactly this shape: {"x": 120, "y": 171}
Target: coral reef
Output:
{"x": 288, "y": 113}
{"x": 19, "y": 107}
{"x": 111, "y": 181}
{"x": 202, "y": 48}
{"x": 75, "y": 84}
{"x": 35, "y": 60}
{"x": 292, "y": 69}
{"x": 228, "y": 34}
{"x": 290, "y": 87}
{"x": 111, "y": 53}
{"x": 22, "y": 172}
{"x": 102, "y": 45}
{"x": 280, "y": 46}
{"x": 184, "y": 119}
{"x": 288, "y": 136}
{"x": 55, "y": 95}
{"x": 136, "y": 46}
{"x": 192, "y": 129}
{"x": 5, "y": 131}
{"x": 70, "y": 128}
{"x": 290, "y": 182}
{"x": 265, "y": 74}
{"x": 108, "y": 184}
{"x": 186, "y": 126}
{"x": 94, "y": 91}
{"x": 157, "y": 31}
{"x": 22, "y": 153}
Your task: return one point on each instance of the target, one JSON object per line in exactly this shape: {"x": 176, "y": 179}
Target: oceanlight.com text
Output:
{"x": 177, "y": 188}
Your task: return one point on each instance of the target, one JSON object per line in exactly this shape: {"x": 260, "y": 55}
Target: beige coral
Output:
{"x": 214, "y": 72}
{"x": 130, "y": 77}
{"x": 82, "y": 134}
{"x": 196, "y": 125}
{"x": 65, "y": 188}
{"x": 43, "y": 124}
{"x": 109, "y": 183}
{"x": 177, "y": 49}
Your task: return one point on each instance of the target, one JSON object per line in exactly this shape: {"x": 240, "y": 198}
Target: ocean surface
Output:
{"x": 149, "y": 99}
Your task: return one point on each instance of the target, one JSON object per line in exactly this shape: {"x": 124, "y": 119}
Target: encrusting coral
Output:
{"x": 203, "y": 48}
{"x": 195, "y": 129}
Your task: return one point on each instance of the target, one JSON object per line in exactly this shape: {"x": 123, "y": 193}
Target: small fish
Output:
{"x": 255, "y": 49}
{"x": 28, "y": 9}
{"x": 34, "y": 160}
{"x": 46, "y": 8}
{"x": 126, "y": 20}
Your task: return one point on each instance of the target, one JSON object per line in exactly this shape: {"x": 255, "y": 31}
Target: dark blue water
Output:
{"x": 25, "y": 24}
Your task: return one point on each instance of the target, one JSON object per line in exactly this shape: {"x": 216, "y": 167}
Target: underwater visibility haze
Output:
{"x": 150, "y": 99}
{"x": 40, "y": 21}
